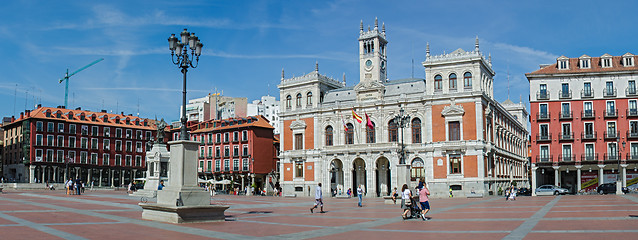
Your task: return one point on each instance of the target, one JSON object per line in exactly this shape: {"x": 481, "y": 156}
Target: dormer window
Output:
{"x": 563, "y": 63}
{"x": 584, "y": 62}
{"x": 605, "y": 61}
{"x": 628, "y": 60}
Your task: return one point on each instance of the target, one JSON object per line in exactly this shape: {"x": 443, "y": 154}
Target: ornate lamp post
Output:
{"x": 184, "y": 60}
{"x": 402, "y": 122}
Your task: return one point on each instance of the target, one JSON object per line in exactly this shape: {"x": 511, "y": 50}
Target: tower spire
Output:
{"x": 361, "y": 26}
{"x": 376, "y": 24}
{"x": 476, "y": 44}
{"x": 316, "y": 66}
{"x": 427, "y": 49}
{"x": 344, "y": 79}
{"x": 282, "y": 73}
{"x": 489, "y": 58}
{"x": 383, "y": 28}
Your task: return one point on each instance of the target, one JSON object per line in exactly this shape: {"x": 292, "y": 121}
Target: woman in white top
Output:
{"x": 406, "y": 196}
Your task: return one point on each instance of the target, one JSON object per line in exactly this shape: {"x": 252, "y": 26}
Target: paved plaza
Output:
{"x": 108, "y": 214}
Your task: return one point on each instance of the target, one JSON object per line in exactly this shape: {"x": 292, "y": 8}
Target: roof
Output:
{"x": 595, "y": 66}
{"x": 74, "y": 116}
{"x": 230, "y": 123}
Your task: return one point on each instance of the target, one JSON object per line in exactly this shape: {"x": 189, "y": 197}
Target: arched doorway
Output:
{"x": 383, "y": 177}
{"x": 358, "y": 174}
{"x": 417, "y": 170}
{"x": 336, "y": 176}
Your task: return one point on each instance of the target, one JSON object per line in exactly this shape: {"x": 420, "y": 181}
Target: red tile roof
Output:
{"x": 215, "y": 125}
{"x": 74, "y": 116}
{"x": 617, "y": 66}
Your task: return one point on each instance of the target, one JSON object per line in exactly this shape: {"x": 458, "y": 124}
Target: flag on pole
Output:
{"x": 368, "y": 122}
{"x": 345, "y": 127}
{"x": 357, "y": 117}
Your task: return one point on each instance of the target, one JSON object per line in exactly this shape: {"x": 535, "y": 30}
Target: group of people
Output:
{"x": 407, "y": 199}
{"x": 74, "y": 187}
{"x": 510, "y": 193}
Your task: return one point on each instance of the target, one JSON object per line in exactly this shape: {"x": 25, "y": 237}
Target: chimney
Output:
{"x": 123, "y": 114}
{"x": 13, "y": 118}
{"x": 21, "y": 115}
{"x": 103, "y": 111}
{"x": 78, "y": 108}
{"x": 39, "y": 106}
{"x": 27, "y": 113}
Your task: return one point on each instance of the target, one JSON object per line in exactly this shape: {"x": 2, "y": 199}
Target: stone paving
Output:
{"x": 108, "y": 214}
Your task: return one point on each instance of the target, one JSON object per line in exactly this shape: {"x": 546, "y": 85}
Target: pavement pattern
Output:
{"x": 109, "y": 214}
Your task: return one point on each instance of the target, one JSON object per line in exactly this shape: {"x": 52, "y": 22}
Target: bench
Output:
{"x": 342, "y": 197}
{"x": 388, "y": 200}
{"x": 475, "y": 195}
{"x": 290, "y": 195}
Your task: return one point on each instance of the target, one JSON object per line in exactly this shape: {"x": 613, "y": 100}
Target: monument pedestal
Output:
{"x": 183, "y": 201}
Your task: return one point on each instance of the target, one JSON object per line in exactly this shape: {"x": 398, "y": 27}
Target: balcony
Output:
{"x": 632, "y": 112}
{"x": 543, "y": 116}
{"x": 611, "y": 113}
{"x": 544, "y": 138}
{"x": 566, "y": 158}
{"x": 631, "y": 156}
{"x": 609, "y": 92}
{"x": 589, "y": 157}
{"x": 632, "y": 135}
{"x": 565, "y": 94}
{"x": 566, "y": 136}
{"x": 584, "y": 136}
{"x": 586, "y": 93}
{"x": 588, "y": 114}
{"x": 544, "y": 158}
{"x": 611, "y": 135}
{"x": 565, "y": 115}
{"x": 542, "y": 95}
{"x": 611, "y": 157}
{"x": 631, "y": 91}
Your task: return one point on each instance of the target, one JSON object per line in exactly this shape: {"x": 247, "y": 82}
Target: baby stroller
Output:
{"x": 415, "y": 210}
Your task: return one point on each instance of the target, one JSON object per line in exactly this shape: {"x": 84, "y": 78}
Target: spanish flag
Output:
{"x": 368, "y": 122}
{"x": 355, "y": 116}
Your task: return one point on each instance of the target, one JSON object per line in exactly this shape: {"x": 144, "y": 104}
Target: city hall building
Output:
{"x": 449, "y": 128}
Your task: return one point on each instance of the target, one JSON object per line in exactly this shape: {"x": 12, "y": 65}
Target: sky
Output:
{"x": 248, "y": 43}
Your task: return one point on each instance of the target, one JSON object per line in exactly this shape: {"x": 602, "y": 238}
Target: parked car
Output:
{"x": 607, "y": 188}
{"x": 550, "y": 190}
{"x": 524, "y": 192}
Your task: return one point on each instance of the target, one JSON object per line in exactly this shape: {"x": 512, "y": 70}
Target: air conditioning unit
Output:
{"x": 108, "y": 134}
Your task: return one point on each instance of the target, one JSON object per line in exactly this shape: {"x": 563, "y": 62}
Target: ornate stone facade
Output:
{"x": 457, "y": 135}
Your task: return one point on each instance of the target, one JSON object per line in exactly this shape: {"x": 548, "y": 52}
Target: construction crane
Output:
{"x": 67, "y": 76}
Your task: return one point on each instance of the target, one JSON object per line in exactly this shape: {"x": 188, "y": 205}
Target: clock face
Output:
{"x": 368, "y": 63}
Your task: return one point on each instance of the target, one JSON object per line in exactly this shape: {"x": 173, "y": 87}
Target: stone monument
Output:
{"x": 183, "y": 201}
{"x": 156, "y": 164}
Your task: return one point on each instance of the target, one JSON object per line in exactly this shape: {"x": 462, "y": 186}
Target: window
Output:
{"x": 217, "y": 167}
{"x": 107, "y": 131}
{"x": 633, "y": 150}
{"x": 438, "y": 83}
{"x": 94, "y": 131}
{"x": 72, "y": 129}
{"x": 612, "y": 151}
{"x": 609, "y": 89}
{"x": 565, "y": 93}
{"x": 128, "y": 160}
{"x": 217, "y": 152}
{"x": 309, "y": 98}
{"x": 50, "y": 126}
{"x": 417, "y": 171}
{"x": 118, "y": 145}
{"x": 589, "y": 152}
{"x": 370, "y": 134}
{"x": 38, "y": 155}
{"x": 453, "y": 81}
{"x": 71, "y": 142}
{"x": 83, "y": 157}
{"x": 245, "y": 150}
{"x": 329, "y": 136}
{"x": 544, "y": 130}
{"x": 49, "y": 140}
{"x": 226, "y": 165}
{"x": 628, "y": 61}
{"x": 59, "y": 156}
{"x": 299, "y": 169}
{"x": 611, "y": 130}
{"x": 94, "y": 158}
{"x": 589, "y": 130}
{"x": 416, "y": 130}
{"x": 567, "y": 152}
{"x": 631, "y": 87}
{"x": 244, "y": 135}
{"x": 244, "y": 165}
{"x": 633, "y": 129}
{"x": 235, "y": 136}
{"x": 84, "y": 143}
{"x": 138, "y": 147}
{"x": 106, "y": 144}
{"x": 542, "y": 91}
{"x": 562, "y": 64}
{"x": 129, "y": 146}
{"x": 606, "y": 62}
{"x": 226, "y": 151}
{"x": 632, "y": 108}
{"x": 467, "y": 80}
{"x": 288, "y": 101}
{"x": 38, "y": 126}
{"x": 588, "y": 109}
{"x": 118, "y": 132}
{"x": 235, "y": 164}
{"x": 226, "y": 137}
{"x": 61, "y": 127}
{"x": 393, "y": 129}
{"x": 455, "y": 164}
{"x": 235, "y": 151}
{"x": 298, "y": 141}
{"x": 210, "y": 152}
{"x": 298, "y": 102}
{"x": 454, "y": 131}
{"x": 584, "y": 63}
{"x": 209, "y": 165}
{"x": 94, "y": 144}
{"x": 60, "y": 142}
{"x": 587, "y": 90}
{"x": 105, "y": 159}
{"x": 349, "y": 134}
{"x": 565, "y": 110}
{"x": 610, "y": 109}
{"x": 129, "y": 133}
{"x": 38, "y": 140}
{"x": 218, "y": 137}
{"x": 49, "y": 157}
{"x": 544, "y": 153}
{"x": 543, "y": 111}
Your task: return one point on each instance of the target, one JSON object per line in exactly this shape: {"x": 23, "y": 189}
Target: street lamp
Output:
{"x": 402, "y": 122}
{"x": 183, "y": 61}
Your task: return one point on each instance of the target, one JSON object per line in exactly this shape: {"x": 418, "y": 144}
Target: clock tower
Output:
{"x": 372, "y": 54}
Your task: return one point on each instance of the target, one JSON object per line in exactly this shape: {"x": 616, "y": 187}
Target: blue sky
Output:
{"x": 247, "y": 43}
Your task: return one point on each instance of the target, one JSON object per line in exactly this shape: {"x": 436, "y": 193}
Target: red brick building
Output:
{"x": 242, "y": 150}
{"x": 584, "y": 122}
{"x": 51, "y": 144}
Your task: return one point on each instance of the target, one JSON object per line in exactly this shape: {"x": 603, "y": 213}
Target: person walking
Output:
{"x": 360, "y": 195}
{"x": 160, "y": 186}
{"x": 92, "y": 183}
{"x": 423, "y": 199}
{"x": 78, "y": 186}
{"x": 318, "y": 199}
{"x": 394, "y": 195}
{"x": 406, "y": 200}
